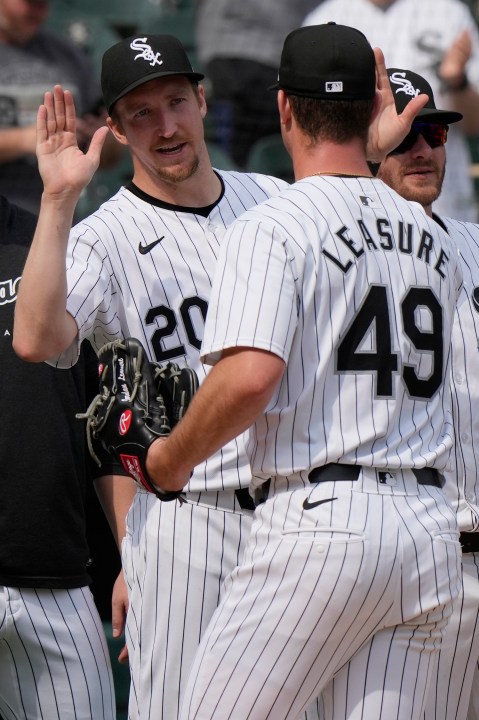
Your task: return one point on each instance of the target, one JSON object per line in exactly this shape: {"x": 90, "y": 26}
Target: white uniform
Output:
{"x": 415, "y": 35}
{"x": 457, "y": 675}
{"x": 54, "y": 656}
{"x": 142, "y": 268}
{"x": 355, "y": 289}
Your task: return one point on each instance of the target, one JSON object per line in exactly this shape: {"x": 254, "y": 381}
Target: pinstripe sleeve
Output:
{"x": 255, "y": 283}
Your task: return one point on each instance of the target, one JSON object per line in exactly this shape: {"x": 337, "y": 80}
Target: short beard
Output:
{"x": 178, "y": 175}
{"x": 425, "y": 196}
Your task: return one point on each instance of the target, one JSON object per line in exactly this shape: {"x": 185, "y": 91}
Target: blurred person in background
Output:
{"x": 32, "y": 59}
{"x": 239, "y": 47}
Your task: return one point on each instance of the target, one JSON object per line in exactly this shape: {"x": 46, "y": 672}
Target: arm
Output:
{"x": 16, "y": 142}
{"x": 235, "y": 392}
{"x": 461, "y": 95}
{"x": 43, "y": 327}
{"x": 116, "y": 494}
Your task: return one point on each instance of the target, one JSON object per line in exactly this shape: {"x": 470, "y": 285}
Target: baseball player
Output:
{"x": 415, "y": 170}
{"x": 329, "y": 325}
{"x": 142, "y": 266}
{"x": 438, "y": 39}
{"x": 54, "y": 661}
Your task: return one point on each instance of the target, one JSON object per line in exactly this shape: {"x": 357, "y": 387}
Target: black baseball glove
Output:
{"x": 138, "y": 402}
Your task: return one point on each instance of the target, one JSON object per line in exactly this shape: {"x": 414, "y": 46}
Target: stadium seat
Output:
{"x": 269, "y": 156}
{"x": 120, "y": 15}
{"x": 171, "y": 18}
{"x": 104, "y": 184}
{"x": 219, "y": 158}
{"x": 89, "y": 32}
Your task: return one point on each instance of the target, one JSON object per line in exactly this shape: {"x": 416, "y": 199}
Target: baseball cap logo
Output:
{"x": 145, "y": 52}
{"x": 335, "y": 86}
{"x": 405, "y": 85}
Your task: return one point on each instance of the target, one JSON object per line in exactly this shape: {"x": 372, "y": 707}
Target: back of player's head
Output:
{"x": 140, "y": 58}
{"x": 327, "y": 62}
{"x": 406, "y": 84}
{"x": 328, "y": 73}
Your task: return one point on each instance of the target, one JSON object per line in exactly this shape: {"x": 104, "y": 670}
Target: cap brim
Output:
{"x": 441, "y": 116}
{"x": 153, "y": 76}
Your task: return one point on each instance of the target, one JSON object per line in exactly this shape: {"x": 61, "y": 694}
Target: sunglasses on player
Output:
{"x": 435, "y": 136}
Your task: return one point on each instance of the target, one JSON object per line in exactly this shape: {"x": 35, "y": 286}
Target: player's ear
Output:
{"x": 117, "y": 130}
{"x": 284, "y": 108}
{"x": 202, "y": 101}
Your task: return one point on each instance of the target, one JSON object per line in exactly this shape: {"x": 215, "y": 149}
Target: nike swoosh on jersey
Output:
{"x": 309, "y": 505}
{"x": 144, "y": 249}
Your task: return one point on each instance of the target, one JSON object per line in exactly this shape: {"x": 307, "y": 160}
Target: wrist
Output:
{"x": 454, "y": 85}
{"x": 64, "y": 200}
{"x": 165, "y": 472}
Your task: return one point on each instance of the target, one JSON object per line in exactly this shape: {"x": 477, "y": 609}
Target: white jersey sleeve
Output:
{"x": 462, "y": 473}
{"x": 355, "y": 289}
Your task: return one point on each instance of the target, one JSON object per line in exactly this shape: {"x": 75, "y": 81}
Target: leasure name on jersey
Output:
{"x": 408, "y": 239}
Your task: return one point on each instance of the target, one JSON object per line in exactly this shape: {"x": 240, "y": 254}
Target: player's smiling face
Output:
{"x": 162, "y": 122}
{"x": 416, "y": 174}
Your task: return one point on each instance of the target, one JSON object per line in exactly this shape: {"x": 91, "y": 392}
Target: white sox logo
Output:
{"x": 8, "y": 290}
{"x": 146, "y": 53}
{"x": 125, "y": 421}
{"x": 405, "y": 85}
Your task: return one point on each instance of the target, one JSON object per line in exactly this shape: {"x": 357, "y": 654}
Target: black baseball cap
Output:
{"x": 329, "y": 62}
{"x": 140, "y": 58}
{"x": 406, "y": 85}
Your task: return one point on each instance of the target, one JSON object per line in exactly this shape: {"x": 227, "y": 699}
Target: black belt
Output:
{"x": 469, "y": 542}
{"x": 337, "y": 471}
{"x": 244, "y": 499}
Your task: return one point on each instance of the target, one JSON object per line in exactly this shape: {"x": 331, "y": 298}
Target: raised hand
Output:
{"x": 388, "y": 129}
{"x": 453, "y": 65}
{"x": 63, "y": 166}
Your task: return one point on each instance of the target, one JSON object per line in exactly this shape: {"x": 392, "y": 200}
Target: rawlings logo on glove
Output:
{"x": 138, "y": 402}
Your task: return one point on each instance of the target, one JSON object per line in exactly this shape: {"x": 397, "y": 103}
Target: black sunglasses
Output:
{"x": 435, "y": 136}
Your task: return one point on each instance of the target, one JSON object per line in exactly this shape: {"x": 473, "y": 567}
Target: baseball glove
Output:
{"x": 138, "y": 402}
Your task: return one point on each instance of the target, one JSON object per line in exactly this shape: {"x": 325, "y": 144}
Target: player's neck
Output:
{"x": 330, "y": 159}
{"x": 203, "y": 188}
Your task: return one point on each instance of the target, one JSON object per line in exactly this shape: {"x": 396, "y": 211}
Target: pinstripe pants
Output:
{"x": 175, "y": 559}
{"x": 455, "y": 681}
{"x": 54, "y": 661}
{"x": 354, "y": 587}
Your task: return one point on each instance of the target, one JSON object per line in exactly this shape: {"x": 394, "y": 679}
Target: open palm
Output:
{"x": 388, "y": 129}
{"x": 62, "y": 165}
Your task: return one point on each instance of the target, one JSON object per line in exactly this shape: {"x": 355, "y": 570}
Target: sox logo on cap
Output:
{"x": 146, "y": 51}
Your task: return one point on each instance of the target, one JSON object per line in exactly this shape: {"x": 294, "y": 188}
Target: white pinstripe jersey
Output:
{"x": 355, "y": 289}
{"x": 141, "y": 268}
{"x": 415, "y": 35}
{"x": 462, "y": 477}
